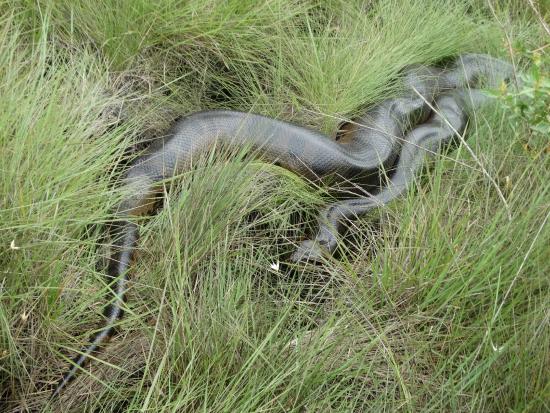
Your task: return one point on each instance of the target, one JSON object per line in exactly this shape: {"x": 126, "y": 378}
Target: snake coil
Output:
{"x": 396, "y": 134}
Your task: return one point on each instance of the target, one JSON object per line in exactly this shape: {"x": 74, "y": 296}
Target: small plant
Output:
{"x": 530, "y": 104}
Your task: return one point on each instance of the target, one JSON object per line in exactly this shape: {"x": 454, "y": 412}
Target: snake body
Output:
{"x": 397, "y": 133}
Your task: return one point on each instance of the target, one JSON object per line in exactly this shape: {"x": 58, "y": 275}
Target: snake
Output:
{"x": 395, "y": 135}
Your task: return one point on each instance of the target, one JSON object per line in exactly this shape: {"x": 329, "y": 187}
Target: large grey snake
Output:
{"x": 395, "y": 135}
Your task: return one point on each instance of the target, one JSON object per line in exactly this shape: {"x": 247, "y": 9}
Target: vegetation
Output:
{"x": 438, "y": 302}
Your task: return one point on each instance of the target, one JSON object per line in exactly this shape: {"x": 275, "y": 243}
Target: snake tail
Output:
{"x": 125, "y": 235}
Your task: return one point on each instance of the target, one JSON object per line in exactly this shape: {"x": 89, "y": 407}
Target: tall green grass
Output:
{"x": 438, "y": 302}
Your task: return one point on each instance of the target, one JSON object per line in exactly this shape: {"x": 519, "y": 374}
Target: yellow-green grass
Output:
{"x": 437, "y": 302}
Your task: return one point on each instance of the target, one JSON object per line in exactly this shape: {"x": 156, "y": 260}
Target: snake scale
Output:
{"x": 395, "y": 135}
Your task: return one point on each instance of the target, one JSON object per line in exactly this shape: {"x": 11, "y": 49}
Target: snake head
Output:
{"x": 309, "y": 251}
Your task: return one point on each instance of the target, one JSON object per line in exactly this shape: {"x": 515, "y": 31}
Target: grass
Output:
{"x": 438, "y": 302}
